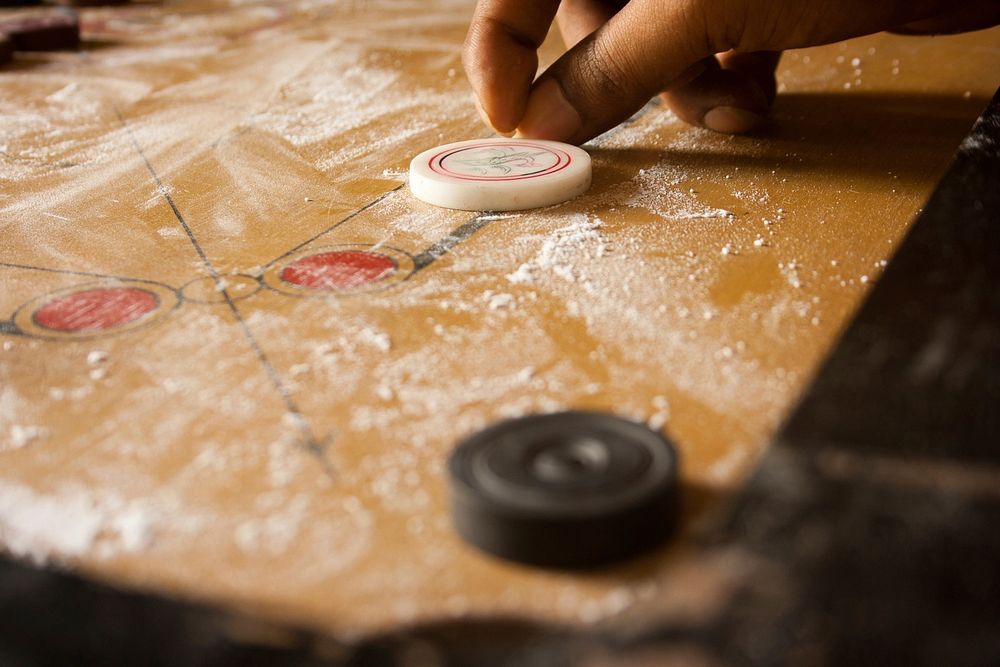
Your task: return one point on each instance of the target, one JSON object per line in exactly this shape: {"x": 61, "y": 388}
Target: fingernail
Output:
{"x": 486, "y": 119}
{"x": 549, "y": 115}
{"x": 731, "y": 120}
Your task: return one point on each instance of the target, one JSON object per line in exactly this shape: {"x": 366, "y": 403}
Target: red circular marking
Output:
{"x": 96, "y": 309}
{"x": 338, "y": 269}
{"x": 436, "y": 163}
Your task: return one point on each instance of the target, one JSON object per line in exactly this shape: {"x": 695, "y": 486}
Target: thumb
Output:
{"x": 615, "y": 70}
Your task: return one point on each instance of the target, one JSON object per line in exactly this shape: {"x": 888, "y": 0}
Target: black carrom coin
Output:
{"x": 571, "y": 490}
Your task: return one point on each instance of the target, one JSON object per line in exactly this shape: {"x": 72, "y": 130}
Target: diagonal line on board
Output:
{"x": 461, "y": 233}
{"x": 89, "y": 274}
{"x": 310, "y": 442}
{"x": 333, "y": 226}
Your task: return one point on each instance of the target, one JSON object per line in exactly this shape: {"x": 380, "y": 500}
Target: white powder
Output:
{"x": 69, "y": 523}
{"x": 656, "y": 189}
{"x": 380, "y": 340}
{"x": 21, "y": 436}
{"x": 791, "y": 271}
{"x": 522, "y": 276}
{"x": 498, "y": 301}
{"x": 660, "y": 414}
{"x": 134, "y": 527}
{"x": 95, "y": 357}
{"x": 565, "y": 253}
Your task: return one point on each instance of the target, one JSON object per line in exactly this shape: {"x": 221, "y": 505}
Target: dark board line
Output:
{"x": 458, "y": 235}
{"x": 332, "y": 227}
{"x": 309, "y": 440}
{"x": 89, "y": 274}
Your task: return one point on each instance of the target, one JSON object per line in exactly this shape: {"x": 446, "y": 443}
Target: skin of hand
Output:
{"x": 712, "y": 61}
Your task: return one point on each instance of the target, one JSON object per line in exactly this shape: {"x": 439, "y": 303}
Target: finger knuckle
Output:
{"x": 607, "y": 74}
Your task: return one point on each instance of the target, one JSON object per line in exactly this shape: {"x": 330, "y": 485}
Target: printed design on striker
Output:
{"x": 502, "y": 161}
{"x": 499, "y": 162}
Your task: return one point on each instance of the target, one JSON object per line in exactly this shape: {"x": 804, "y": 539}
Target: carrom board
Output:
{"x": 236, "y": 352}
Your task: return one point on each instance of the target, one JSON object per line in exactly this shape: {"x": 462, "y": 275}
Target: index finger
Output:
{"x": 501, "y": 55}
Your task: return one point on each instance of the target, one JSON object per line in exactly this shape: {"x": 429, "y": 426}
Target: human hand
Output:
{"x": 713, "y": 61}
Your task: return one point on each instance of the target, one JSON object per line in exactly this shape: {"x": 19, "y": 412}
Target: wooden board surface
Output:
{"x": 233, "y": 437}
